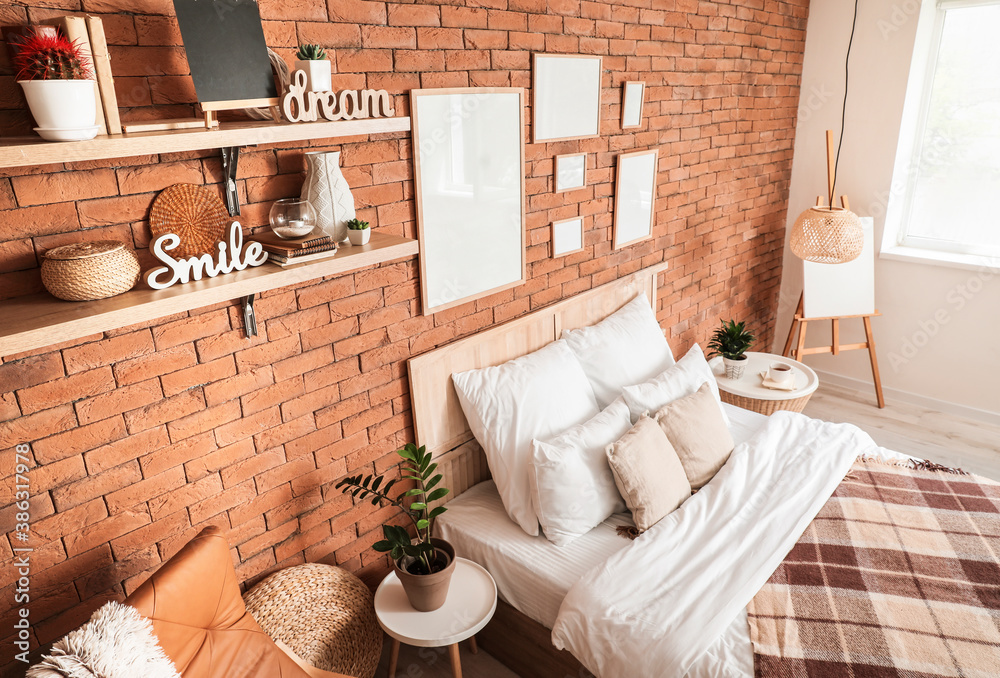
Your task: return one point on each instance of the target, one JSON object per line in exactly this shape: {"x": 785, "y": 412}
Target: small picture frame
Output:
{"x": 571, "y": 172}
{"x": 633, "y": 97}
{"x": 567, "y": 236}
{"x": 635, "y": 197}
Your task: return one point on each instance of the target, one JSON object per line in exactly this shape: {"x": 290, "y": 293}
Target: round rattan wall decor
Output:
{"x": 195, "y": 214}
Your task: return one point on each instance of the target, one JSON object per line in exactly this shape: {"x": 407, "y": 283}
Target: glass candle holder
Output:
{"x": 292, "y": 218}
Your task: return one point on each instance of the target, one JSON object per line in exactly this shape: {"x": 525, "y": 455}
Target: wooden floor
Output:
{"x": 946, "y": 439}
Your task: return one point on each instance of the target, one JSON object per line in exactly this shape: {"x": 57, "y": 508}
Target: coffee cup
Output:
{"x": 780, "y": 373}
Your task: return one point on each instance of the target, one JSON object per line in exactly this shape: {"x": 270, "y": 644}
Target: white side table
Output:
{"x": 472, "y": 600}
{"x": 749, "y": 393}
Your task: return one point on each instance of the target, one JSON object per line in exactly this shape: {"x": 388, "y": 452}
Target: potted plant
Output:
{"x": 732, "y": 340}
{"x": 58, "y": 84}
{"x": 358, "y": 232}
{"x": 425, "y": 565}
{"x": 312, "y": 60}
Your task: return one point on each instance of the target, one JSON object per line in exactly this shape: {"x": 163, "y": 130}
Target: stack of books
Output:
{"x": 296, "y": 251}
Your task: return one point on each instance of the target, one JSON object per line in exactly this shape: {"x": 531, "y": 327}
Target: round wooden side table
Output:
{"x": 749, "y": 392}
{"x": 472, "y": 600}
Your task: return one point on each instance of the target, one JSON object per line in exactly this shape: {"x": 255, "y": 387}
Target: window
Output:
{"x": 947, "y": 179}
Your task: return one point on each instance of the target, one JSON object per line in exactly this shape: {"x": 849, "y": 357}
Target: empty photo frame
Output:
{"x": 566, "y": 103}
{"x": 633, "y": 96}
{"x": 635, "y": 197}
{"x": 567, "y": 236}
{"x": 571, "y": 172}
{"x": 469, "y": 186}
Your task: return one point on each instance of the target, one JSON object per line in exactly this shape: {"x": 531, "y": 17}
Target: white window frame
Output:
{"x": 896, "y": 243}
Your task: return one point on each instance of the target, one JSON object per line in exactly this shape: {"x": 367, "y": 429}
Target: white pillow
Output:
{"x": 677, "y": 381}
{"x": 538, "y": 395}
{"x": 627, "y": 347}
{"x": 571, "y": 481}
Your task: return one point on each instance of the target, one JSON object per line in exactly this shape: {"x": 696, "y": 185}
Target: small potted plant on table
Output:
{"x": 312, "y": 59}
{"x": 732, "y": 340}
{"x": 358, "y": 232}
{"x": 58, "y": 84}
{"x": 424, "y": 566}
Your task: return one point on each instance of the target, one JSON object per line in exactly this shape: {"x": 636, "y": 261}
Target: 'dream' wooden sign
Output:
{"x": 302, "y": 106}
{"x": 193, "y": 268}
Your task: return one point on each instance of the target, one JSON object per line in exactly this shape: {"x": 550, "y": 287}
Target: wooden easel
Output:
{"x": 835, "y": 347}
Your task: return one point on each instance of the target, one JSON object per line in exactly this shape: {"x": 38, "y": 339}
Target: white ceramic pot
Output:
{"x": 734, "y": 368}
{"x": 327, "y": 190}
{"x": 318, "y": 76}
{"x": 360, "y": 237}
{"x": 63, "y": 107}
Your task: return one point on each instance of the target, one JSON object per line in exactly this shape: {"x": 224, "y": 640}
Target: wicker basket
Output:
{"x": 765, "y": 406}
{"x": 325, "y": 614}
{"x": 90, "y": 270}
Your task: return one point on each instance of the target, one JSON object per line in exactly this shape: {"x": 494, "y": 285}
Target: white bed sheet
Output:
{"x": 533, "y": 574}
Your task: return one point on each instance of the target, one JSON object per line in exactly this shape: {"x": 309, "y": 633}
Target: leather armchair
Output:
{"x": 201, "y": 622}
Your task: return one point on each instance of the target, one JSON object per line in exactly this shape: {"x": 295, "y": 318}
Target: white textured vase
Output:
{"x": 327, "y": 190}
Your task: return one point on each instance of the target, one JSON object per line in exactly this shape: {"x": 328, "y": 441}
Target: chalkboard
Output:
{"x": 224, "y": 41}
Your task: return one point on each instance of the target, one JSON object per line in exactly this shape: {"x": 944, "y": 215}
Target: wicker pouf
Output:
{"x": 325, "y": 614}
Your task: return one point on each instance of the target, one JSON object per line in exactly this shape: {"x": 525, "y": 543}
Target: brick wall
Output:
{"x": 145, "y": 435}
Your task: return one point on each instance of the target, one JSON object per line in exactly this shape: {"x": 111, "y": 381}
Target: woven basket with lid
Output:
{"x": 90, "y": 270}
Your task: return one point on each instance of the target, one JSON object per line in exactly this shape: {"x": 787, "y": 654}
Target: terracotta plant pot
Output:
{"x": 734, "y": 368}
{"x": 427, "y": 592}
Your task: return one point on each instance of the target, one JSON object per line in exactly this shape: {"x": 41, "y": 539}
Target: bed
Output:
{"x": 675, "y": 601}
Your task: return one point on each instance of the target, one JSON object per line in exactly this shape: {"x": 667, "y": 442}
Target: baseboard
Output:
{"x": 912, "y": 398}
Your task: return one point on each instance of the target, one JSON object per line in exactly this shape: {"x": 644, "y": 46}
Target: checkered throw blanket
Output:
{"x": 898, "y": 575}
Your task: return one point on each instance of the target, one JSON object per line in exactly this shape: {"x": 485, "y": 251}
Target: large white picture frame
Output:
{"x": 469, "y": 183}
{"x": 635, "y": 197}
{"x": 566, "y": 97}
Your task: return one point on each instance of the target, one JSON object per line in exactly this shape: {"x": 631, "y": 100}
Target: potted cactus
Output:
{"x": 358, "y": 232}
{"x": 424, "y": 566}
{"x": 732, "y": 340}
{"x": 58, "y": 84}
{"x": 312, "y": 59}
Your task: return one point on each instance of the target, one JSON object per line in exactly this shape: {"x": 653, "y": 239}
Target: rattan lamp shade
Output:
{"x": 827, "y": 235}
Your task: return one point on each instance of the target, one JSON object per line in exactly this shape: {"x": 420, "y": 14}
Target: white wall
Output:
{"x": 939, "y": 334}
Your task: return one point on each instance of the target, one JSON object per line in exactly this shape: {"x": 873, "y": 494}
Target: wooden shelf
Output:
{"x": 31, "y": 151}
{"x": 40, "y": 320}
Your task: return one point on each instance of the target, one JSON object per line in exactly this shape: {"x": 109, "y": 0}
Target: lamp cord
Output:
{"x": 843, "y": 112}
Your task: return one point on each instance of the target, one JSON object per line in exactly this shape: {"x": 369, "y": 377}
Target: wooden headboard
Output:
{"x": 438, "y": 419}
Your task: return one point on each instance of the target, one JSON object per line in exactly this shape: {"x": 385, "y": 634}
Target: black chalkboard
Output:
{"x": 224, "y": 41}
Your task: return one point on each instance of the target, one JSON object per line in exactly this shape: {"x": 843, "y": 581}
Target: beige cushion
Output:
{"x": 698, "y": 433}
{"x": 648, "y": 473}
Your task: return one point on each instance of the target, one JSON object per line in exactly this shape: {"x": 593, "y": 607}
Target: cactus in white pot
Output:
{"x": 312, "y": 59}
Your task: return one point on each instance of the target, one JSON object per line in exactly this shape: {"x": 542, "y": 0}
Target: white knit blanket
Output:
{"x": 117, "y": 642}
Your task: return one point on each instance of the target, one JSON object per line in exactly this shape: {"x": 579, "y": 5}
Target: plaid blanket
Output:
{"x": 898, "y": 575}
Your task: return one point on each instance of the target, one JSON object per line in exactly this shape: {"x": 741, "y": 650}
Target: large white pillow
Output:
{"x": 571, "y": 480}
{"x": 538, "y": 395}
{"x": 677, "y": 381}
{"x": 627, "y": 347}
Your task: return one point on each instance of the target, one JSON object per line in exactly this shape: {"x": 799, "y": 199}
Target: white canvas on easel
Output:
{"x": 838, "y": 290}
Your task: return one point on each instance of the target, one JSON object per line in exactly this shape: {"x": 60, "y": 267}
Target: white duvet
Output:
{"x": 672, "y": 603}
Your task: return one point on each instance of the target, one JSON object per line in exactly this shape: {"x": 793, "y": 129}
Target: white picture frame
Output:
{"x": 838, "y": 290}
{"x": 469, "y": 187}
{"x": 566, "y": 96}
{"x": 570, "y": 172}
{"x": 635, "y": 197}
{"x": 633, "y": 98}
{"x": 567, "y": 236}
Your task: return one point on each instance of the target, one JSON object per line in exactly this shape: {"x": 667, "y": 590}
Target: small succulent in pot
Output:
{"x": 359, "y": 232}
{"x": 424, "y": 565}
{"x": 732, "y": 340}
{"x": 311, "y": 59}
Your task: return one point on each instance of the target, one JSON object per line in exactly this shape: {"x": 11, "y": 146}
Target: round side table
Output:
{"x": 472, "y": 600}
{"x": 749, "y": 392}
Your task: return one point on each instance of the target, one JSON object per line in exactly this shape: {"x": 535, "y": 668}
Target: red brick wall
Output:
{"x": 145, "y": 435}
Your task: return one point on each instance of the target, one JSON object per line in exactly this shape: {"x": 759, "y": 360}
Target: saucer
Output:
{"x": 68, "y": 133}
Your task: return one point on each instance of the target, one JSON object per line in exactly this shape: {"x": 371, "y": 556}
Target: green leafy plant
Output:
{"x": 416, "y": 466}
{"x": 44, "y": 56}
{"x": 310, "y": 53}
{"x": 731, "y": 340}
{"x": 357, "y": 225}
